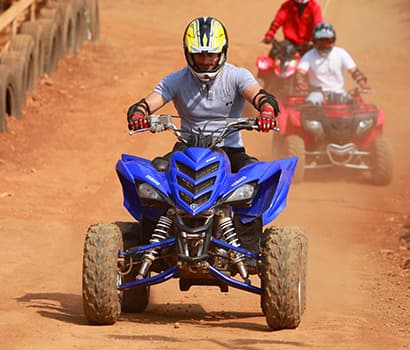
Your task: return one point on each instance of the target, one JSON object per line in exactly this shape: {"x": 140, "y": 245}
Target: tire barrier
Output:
{"x": 35, "y": 30}
{"x": 50, "y": 18}
{"x": 51, "y": 44}
{"x": 93, "y": 18}
{"x": 80, "y": 22}
{"x": 65, "y": 18}
{"x": 16, "y": 64}
{"x": 59, "y": 29}
{"x": 24, "y": 45}
{"x": 10, "y": 102}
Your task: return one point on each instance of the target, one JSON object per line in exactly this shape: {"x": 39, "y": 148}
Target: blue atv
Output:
{"x": 192, "y": 202}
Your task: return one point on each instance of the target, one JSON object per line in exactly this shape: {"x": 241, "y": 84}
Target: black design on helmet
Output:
{"x": 324, "y": 31}
{"x": 205, "y": 34}
{"x": 324, "y": 37}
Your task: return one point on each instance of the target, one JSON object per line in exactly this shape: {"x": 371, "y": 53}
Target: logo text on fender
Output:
{"x": 210, "y": 159}
{"x": 238, "y": 181}
{"x": 152, "y": 179}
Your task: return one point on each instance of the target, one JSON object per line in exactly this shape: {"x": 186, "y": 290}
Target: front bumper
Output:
{"x": 334, "y": 155}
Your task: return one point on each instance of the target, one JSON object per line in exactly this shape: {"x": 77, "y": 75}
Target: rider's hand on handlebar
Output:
{"x": 365, "y": 88}
{"x": 137, "y": 120}
{"x": 302, "y": 87}
{"x": 268, "y": 39}
{"x": 266, "y": 120}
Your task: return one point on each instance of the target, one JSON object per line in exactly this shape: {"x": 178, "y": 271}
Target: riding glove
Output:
{"x": 266, "y": 120}
{"x": 136, "y": 119}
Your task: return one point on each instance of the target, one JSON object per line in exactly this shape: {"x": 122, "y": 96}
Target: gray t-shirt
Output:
{"x": 199, "y": 104}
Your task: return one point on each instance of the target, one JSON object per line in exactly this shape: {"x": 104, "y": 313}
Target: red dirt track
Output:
{"x": 57, "y": 177}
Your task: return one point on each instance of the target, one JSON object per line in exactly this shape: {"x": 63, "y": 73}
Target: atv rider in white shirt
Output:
{"x": 206, "y": 92}
{"x": 324, "y": 66}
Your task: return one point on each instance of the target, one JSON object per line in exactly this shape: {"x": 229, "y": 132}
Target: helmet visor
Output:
{"x": 325, "y": 43}
{"x": 206, "y": 62}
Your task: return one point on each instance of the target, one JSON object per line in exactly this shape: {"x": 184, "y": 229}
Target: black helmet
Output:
{"x": 205, "y": 34}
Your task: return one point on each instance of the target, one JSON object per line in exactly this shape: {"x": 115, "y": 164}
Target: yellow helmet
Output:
{"x": 205, "y": 34}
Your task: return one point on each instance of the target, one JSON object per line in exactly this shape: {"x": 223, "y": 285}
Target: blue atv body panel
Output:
{"x": 198, "y": 178}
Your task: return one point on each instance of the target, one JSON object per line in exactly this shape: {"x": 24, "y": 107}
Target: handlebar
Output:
{"x": 357, "y": 91}
{"x": 158, "y": 123}
{"x": 163, "y": 122}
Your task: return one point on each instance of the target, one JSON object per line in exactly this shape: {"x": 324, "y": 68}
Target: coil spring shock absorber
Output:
{"x": 228, "y": 232}
{"x": 160, "y": 234}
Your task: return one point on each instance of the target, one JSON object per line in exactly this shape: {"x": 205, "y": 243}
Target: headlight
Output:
{"x": 363, "y": 126}
{"x": 146, "y": 191}
{"x": 293, "y": 63}
{"x": 314, "y": 126}
{"x": 241, "y": 194}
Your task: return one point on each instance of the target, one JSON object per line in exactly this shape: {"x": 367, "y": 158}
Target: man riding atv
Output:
{"x": 210, "y": 86}
{"x": 297, "y": 19}
{"x": 325, "y": 64}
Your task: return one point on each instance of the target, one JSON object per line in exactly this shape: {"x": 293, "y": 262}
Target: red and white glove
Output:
{"x": 138, "y": 120}
{"x": 266, "y": 120}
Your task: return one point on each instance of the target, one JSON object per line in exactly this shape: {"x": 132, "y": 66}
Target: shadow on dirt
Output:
{"x": 193, "y": 314}
{"x": 68, "y": 308}
{"x": 236, "y": 343}
{"x": 64, "y": 307}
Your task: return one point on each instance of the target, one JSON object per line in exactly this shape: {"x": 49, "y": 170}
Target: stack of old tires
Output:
{"x": 60, "y": 29}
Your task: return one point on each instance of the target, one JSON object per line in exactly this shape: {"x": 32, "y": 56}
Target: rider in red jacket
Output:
{"x": 297, "y": 19}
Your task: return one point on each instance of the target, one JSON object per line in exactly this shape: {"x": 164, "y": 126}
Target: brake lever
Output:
{"x": 133, "y": 132}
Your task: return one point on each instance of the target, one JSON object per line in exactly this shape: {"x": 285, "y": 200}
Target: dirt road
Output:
{"x": 57, "y": 178}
